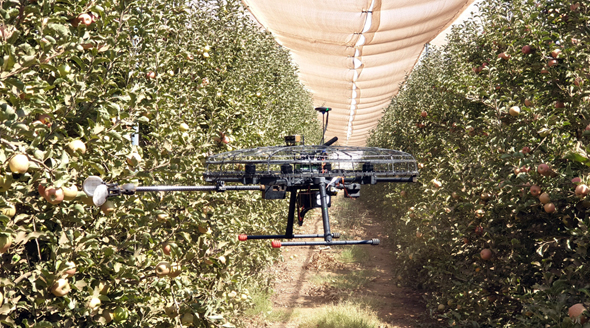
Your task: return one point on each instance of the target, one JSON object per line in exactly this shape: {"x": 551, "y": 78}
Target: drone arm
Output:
{"x": 196, "y": 188}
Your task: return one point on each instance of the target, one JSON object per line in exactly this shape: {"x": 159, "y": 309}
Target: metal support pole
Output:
{"x": 324, "y": 204}
{"x": 291, "y": 217}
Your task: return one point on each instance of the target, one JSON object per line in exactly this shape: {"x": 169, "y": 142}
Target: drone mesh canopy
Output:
{"x": 314, "y": 161}
{"x": 353, "y": 54}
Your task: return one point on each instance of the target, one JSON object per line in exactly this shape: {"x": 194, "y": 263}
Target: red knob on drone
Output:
{"x": 242, "y": 237}
{"x": 276, "y": 244}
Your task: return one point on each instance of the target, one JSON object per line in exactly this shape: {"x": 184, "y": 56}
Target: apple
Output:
{"x": 54, "y": 195}
{"x": 455, "y": 196}
{"x": 94, "y": 303}
{"x": 555, "y": 53}
{"x": 82, "y": 18}
{"x": 544, "y": 71}
{"x": 171, "y": 310}
{"x": 108, "y": 316}
{"x": 108, "y": 207}
{"x": 424, "y": 114}
{"x": 559, "y": 104}
{"x": 504, "y": 56}
{"x": 70, "y": 268}
{"x": 189, "y": 57}
{"x": 162, "y": 269}
{"x": 552, "y": 62}
{"x": 5, "y": 243}
{"x": 478, "y": 230}
{"x": 70, "y": 193}
{"x": 544, "y": 198}
{"x": 525, "y": 150}
{"x": 64, "y": 69}
{"x": 162, "y": 217}
{"x": 151, "y": 75}
{"x": 133, "y": 159}
{"x": 544, "y": 170}
{"x": 9, "y": 211}
{"x": 514, "y": 111}
{"x": 120, "y": 314}
{"x": 528, "y": 103}
{"x": 535, "y": 191}
{"x": 485, "y": 196}
{"x": 527, "y": 49}
{"x": 576, "y": 311}
{"x": 77, "y": 146}
{"x": 581, "y": 190}
{"x": 436, "y": 183}
{"x": 175, "y": 270}
{"x": 187, "y": 319}
{"x": 166, "y": 249}
{"x": 183, "y": 127}
{"x": 418, "y": 234}
{"x": 576, "y": 180}
{"x": 19, "y": 163}
{"x": 549, "y": 208}
{"x": 485, "y": 254}
{"x": 60, "y": 288}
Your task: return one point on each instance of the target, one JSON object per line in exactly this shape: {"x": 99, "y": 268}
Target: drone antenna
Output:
{"x": 324, "y": 110}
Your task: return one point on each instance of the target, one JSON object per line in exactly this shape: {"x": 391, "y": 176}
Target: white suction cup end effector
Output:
{"x": 90, "y": 185}
{"x": 100, "y": 195}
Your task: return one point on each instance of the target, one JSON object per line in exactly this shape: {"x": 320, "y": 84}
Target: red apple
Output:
{"x": 528, "y": 103}
{"x": 504, "y": 56}
{"x": 559, "y": 104}
{"x": 424, "y": 113}
{"x": 151, "y": 75}
{"x": 535, "y": 190}
{"x": 555, "y": 53}
{"x": 525, "y": 150}
{"x": 552, "y": 62}
{"x": 576, "y": 180}
{"x": 54, "y": 195}
{"x": 485, "y": 254}
{"x": 527, "y": 49}
{"x": 544, "y": 170}
{"x": 544, "y": 198}
{"x": 549, "y": 208}
{"x": 581, "y": 190}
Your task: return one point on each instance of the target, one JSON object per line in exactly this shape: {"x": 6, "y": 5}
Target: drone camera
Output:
{"x": 353, "y": 190}
{"x": 274, "y": 192}
{"x": 295, "y": 140}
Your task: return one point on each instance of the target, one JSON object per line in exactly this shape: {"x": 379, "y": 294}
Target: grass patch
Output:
{"x": 262, "y": 307}
{"x": 344, "y": 315}
{"x": 351, "y": 280}
{"x": 353, "y": 254}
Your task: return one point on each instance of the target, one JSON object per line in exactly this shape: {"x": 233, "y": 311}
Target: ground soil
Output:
{"x": 297, "y": 291}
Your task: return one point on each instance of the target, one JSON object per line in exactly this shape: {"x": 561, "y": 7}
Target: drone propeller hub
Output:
{"x": 242, "y": 237}
{"x": 275, "y": 244}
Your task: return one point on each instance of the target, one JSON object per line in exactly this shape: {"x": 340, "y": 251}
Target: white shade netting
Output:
{"x": 353, "y": 54}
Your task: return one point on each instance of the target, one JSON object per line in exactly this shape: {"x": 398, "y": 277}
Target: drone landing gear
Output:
{"x": 328, "y": 236}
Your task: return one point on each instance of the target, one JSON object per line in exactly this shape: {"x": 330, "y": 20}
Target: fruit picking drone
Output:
{"x": 311, "y": 173}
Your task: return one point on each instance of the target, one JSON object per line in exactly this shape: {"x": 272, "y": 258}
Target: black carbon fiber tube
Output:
{"x": 331, "y": 141}
{"x": 195, "y": 188}
{"x": 325, "y": 243}
{"x": 404, "y": 179}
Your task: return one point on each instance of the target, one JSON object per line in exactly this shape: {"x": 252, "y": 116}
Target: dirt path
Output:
{"x": 311, "y": 278}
